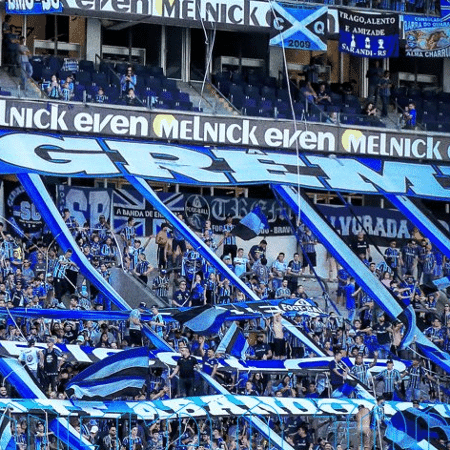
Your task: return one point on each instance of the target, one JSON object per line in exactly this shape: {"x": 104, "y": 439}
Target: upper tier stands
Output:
{"x": 253, "y": 94}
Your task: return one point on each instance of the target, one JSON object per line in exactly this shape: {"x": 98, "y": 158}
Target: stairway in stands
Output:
{"x": 207, "y": 99}
{"x": 11, "y": 85}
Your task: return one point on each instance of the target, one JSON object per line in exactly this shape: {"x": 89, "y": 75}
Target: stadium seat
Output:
{"x": 106, "y": 67}
{"x": 47, "y": 73}
{"x": 156, "y": 71}
{"x": 268, "y": 93}
{"x": 169, "y": 84}
{"x": 100, "y": 78}
{"x": 84, "y": 77}
{"x": 251, "y": 91}
{"x": 86, "y": 66}
{"x": 54, "y": 64}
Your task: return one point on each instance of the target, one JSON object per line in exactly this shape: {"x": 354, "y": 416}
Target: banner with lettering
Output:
{"x": 33, "y": 6}
{"x": 380, "y": 225}
{"x": 300, "y": 27}
{"x": 426, "y": 37}
{"x": 21, "y": 213}
{"x": 368, "y": 35}
{"x": 85, "y": 204}
{"x": 199, "y": 208}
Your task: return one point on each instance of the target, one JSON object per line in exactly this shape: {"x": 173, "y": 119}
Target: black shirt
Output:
{"x": 335, "y": 379}
{"x": 182, "y": 297}
{"x": 186, "y": 366}
{"x": 51, "y": 361}
{"x": 301, "y": 443}
{"x": 382, "y": 334}
{"x": 261, "y": 350}
{"x": 360, "y": 246}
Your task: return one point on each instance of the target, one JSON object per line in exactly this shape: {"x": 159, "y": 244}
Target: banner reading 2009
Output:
{"x": 368, "y": 35}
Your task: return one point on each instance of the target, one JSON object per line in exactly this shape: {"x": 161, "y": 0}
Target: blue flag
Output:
{"x": 123, "y": 373}
{"x": 234, "y": 343}
{"x": 7, "y": 441}
{"x": 251, "y": 225}
{"x": 202, "y": 319}
{"x": 107, "y": 389}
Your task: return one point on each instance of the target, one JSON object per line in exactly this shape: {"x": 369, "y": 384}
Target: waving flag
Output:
{"x": 251, "y": 225}
{"x": 107, "y": 389}
{"x": 7, "y": 441}
{"x": 202, "y": 319}
{"x": 234, "y": 343}
{"x": 123, "y": 373}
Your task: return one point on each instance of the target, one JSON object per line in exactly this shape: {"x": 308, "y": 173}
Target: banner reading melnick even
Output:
{"x": 200, "y": 129}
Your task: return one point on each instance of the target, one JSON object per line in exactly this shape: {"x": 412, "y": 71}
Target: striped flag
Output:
{"x": 202, "y": 319}
{"x": 107, "y": 389}
{"x": 234, "y": 343}
{"x": 7, "y": 441}
{"x": 123, "y": 373}
{"x": 251, "y": 225}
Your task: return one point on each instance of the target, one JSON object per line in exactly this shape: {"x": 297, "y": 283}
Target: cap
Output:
{"x": 80, "y": 338}
{"x": 94, "y": 429}
{"x": 163, "y": 271}
{"x": 142, "y": 305}
{"x": 390, "y": 361}
{"x": 155, "y": 306}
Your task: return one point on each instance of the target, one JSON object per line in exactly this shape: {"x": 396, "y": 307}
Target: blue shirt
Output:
{"x": 350, "y": 300}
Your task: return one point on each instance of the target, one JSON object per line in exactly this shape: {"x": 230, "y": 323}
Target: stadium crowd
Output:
{"x": 36, "y": 274}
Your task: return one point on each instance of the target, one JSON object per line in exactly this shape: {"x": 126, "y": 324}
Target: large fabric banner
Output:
{"x": 381, "y": 225}
{"x": 229, "y": 132}
{"x": 20, "y": 211}
{"x": 92, "y": 158}
{"x": 368, "y": 35}
{"x": 85, "y": 204}
{"x": 299, "y": 27}
{"x": 200, "y": 208}
{"x": 128, "y": 202}
{"x": 212, "y": 405}
{"x": 426, "y": 37}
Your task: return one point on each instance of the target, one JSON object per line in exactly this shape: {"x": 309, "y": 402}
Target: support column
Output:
{"x": 94, "y": 38}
